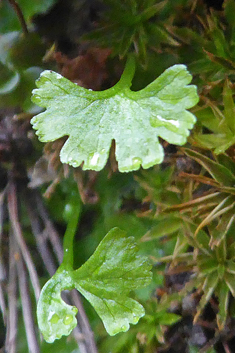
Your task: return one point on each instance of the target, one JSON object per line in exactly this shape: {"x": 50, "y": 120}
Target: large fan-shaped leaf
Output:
{"x": 133, "y": 119}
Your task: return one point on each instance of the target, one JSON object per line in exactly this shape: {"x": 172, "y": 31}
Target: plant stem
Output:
{"x": 18, "y": 234}
{"x": 2, "y": 267}
{"x": 84, "y": 323}
{"x": 27, "y": 307}
{"x": 40, "y": 235}
{"x": 50, "y": 231}
{"x": 20, "y": 15}
{"x": 69, "y": 235}
{"x": 10, "y": 345}
{"x": 128, "y": 73}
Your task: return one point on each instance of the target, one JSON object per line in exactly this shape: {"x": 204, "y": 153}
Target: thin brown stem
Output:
{"x": 13, "y": 214}
{"x": 226, "y": 347}
{"x": 2, "y": 268}
{"x": 52, "y": 234}
{"x": 3, "y": 304}
{"x": 84, "y": 323}
{"x": 40, "y": 237}
{"x": 27, "y": 308}
{"x": 20, "y": 15}
{"x": 12, "y": 301}
{"x": 2, "y": 196}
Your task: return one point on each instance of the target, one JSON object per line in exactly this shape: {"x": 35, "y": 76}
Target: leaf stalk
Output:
{"x": 67, "y": 262}
{"x": 128, "y": 73}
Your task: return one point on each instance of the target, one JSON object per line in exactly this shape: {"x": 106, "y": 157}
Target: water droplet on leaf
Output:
{"x": 68, "y": 319}
{"x": 135, "y": 319}
{"x": 136, "y": 162}
{"x": 94, "y": 158}
{"x": 54, "y": 319}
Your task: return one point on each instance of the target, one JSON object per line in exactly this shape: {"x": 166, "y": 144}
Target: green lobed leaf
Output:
{"x": 133, "y": 119}
{"x": 105, "y": 281}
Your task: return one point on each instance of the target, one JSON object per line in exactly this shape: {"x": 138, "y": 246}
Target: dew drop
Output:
{"x": 68, "y": 319}
{"x": 174, "y": 122}
{"x": 74, "y": 310}
{"x": 54, "y": 319}
{"x": 135, "y": 319}
{"x": 136, "y": 162}
{"x": 94, "y": 159}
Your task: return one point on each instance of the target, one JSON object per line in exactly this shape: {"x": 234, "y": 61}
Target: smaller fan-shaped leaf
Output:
{"x": 105, "y": 280}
